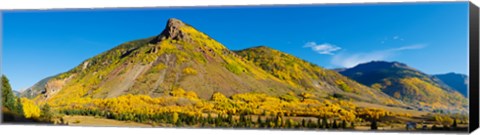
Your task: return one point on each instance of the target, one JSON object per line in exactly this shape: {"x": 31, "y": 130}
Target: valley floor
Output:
{"x": 77, "y": 120}
{"x": 98, "y": 121}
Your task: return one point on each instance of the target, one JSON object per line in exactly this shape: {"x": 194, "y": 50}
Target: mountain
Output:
{"x": 339, "y": 69}
{"x": 181, "y": 57}
{"x": 456, "y": 81}
{"x": 308, "y": 76}
{"x": 37, "y": 89}
{"x": 407, "y": 84}
{"x": 16, "y": 93}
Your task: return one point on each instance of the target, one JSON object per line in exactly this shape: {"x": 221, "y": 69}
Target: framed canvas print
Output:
{"x": 402, "y": 67}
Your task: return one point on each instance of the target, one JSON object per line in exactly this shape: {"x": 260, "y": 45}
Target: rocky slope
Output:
{"x": 35, "y": 90}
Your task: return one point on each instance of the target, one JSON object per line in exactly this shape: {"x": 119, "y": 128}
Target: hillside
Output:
{"x": 408, "y": 84}
{"x": 459, "y": 82}
{"x": 181, "y": 57}
{"x": 310, "y": 77}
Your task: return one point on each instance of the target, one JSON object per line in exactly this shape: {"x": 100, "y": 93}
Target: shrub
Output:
{"x": 342, "y": 85}
{"x": 177, "y": 92}
{"x": 189, "y": 71}
{"x": 234, "y": 68}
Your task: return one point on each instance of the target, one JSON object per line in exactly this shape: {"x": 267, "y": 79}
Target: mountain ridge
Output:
{"x": 457, "y": 81}
{"x": 407, "y": 84}
{"x": 298, "y": 72}
{"x": 180, "y": 57}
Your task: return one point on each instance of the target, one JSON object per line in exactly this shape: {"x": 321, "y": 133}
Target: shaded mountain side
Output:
{"x": 183, "y": 58}
{"x": 339, "y": 69}
{"x": 310, "y": 77}
{"x": 35, "y": 90}
{"x": 408, "y": 84}
{"x": 459, "y": 82}
{"x": 16, "y": 93}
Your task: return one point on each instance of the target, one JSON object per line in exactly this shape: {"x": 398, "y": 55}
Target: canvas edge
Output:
{"x": 474, "y": 54}
{"x": 473, "y": 83}
{"x": 1, "y": 63}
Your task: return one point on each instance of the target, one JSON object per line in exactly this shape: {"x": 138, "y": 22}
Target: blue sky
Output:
{"x": 432, "y": 37}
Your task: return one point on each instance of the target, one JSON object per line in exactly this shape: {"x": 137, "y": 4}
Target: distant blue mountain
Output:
{"x": 459, "y": 82}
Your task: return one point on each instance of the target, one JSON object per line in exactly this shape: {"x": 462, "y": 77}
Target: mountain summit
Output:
{"x": 172, "y": 31}
{"x": 179, "y": 58}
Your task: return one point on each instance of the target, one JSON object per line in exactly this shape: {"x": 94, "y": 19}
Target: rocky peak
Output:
{"x": 172, "y": 31}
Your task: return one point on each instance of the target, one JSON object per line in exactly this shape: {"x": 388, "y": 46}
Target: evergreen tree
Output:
{"x": 8, "y": 97}
{"x": 289, "y": 123}
{"x": 218, "y": 120}
{"x": 304, "y": 123}
{"x": 267, "y": 122}
{"x": 19, "y": 107}
{"x": 454, "y": 125}
{"x": 259, "y": 121}
{"x": 334, "y": 124}
{"x": 373, "y": 125}
{"x": 243, "y": 120}
{"x": 230, "y": 118}
{"x": 203, "y": 122}
{"x": 179, "y": 123}
{"x": 250, "y": 122}
{"x": 310, "y": 124}
{"x": 325, "y": 123}
{"x": 319, "y": 123}
{"x": 209, "y": 119}
{"x": 46, "y": 112}
{"x": 344, "y": 124}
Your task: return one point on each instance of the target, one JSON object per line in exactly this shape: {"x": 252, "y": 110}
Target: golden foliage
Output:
{"x": 373, "y": 113}
{"x": 177, "y": 92}
{"x": 30, "y": 109}
{"x": 443, "y": 119}
{"x": 189, "y": 71}
{"x": 191, "y": 94}
{"x": 175, "y": 117}
{"x": 377, "y": 86}
{"x": 306, "y": 95}
{"x": 246, "y": 103}
{"x": 430, "y": 95}
{"x": 342, "y": 85}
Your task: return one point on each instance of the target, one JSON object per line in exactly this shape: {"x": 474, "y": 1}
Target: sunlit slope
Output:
{"x": 182, "y": 57}
{"x": 408, "y": 84}
{"x": 310, "y": 77}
